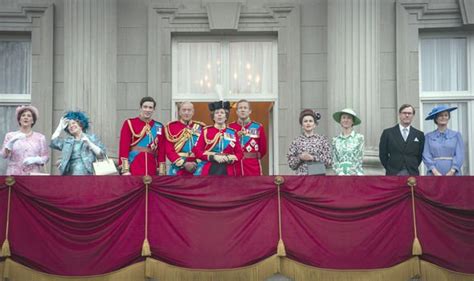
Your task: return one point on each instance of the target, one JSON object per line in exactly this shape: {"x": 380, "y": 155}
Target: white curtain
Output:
{"x": 458, "y": 122}
{"x": 15, "y": 65}
{"x": 239, "y": 67}
{"x": 199, "y": 67}
{"x": 9, "y": 123}
{"x": 251, "y": 67}
{"x": 444, "y": 64}
{"x": 15, "y": 76}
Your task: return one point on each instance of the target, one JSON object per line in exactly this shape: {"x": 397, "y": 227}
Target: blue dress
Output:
{"x": 443, "y": 151}
{"x": 76, "y": 157}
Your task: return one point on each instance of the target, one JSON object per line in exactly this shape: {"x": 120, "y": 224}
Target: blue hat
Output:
{"x": 438, "y": 109}
{"x": 79, "y": 117}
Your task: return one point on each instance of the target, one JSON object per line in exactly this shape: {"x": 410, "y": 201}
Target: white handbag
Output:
{"x": 44, "y": 172}
{"x": 105, "y": 167}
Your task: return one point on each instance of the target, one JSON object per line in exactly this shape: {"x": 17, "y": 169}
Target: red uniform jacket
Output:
{"x": 218, "y": 141}
{"x": 142, "y": 145}
{"x": 254, "y": 146}
{"x": 180, "y": 140}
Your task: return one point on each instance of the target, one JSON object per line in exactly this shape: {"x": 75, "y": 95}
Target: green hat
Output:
{"x": 337, "y": 116}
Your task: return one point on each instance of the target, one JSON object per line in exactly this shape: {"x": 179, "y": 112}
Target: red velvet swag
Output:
{"x": 79, "y": 226}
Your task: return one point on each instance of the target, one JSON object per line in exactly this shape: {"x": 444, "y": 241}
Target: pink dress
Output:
{"x": 32, "y": 145}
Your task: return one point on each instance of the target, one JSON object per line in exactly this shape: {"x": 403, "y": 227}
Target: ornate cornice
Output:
{"x": 433, "y": 14}
{"x": 269, "y": 14}
{"x": 467, "y": 11}
{"x": 23, "y": 13}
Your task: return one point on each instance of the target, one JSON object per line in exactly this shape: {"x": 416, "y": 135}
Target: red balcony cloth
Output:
{"x": 80, "y": 226}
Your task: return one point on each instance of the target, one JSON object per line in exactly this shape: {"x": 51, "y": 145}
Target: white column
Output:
{"x": 354, "y": 66}
{"x": 90, "y": 58}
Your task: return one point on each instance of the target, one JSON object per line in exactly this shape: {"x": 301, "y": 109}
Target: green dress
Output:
{"x": 347, "y": 154}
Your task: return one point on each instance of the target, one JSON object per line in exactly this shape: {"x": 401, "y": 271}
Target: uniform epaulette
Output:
{"x": 257, "y": 123}
{"x": 200, "y": 123}
{"x": 231, "y": 128}
{"x": 208, "y": 126}
{"x": 171, "y": 122}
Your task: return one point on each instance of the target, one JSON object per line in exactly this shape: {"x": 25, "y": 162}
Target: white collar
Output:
{"x": 401, "y": 128}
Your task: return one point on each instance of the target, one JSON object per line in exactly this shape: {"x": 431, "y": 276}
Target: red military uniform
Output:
{"x": 254, "y": 146}
{"x": 215, "y": 141}
{"x": 180, "y": 140}
{"x": 142, "y": 147}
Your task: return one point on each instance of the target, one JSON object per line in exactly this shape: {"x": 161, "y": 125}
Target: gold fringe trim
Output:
{"x": 257, "y": 272}
{"x": 281, "y": 252}
{"x": 302, "y": 272}
{"x": 416, "y": 249}
{"x": 16, "y": 272}
{"x": 3, "y": 274}
{"x": 431, "y": 271}
{"x": 146, "y": 251}
{"x": 6, "y": 249}
{"x": 148, "y": 271}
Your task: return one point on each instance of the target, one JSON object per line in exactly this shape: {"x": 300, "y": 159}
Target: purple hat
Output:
{"x": 22, "y": 108}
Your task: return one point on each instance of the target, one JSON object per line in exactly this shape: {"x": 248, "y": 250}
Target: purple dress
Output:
{"x": 32, "y": 145}
{"x": 443, "y": 151}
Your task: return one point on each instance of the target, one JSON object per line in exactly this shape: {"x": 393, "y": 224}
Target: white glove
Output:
{"x": 33, "y": 160}
{"x": 16, "y": 137}
{"x": 219, "y": 158}
{"x": 91, "y": 145}
{"x": 179, "y": 162}
{"x": 232, "y": 158}
{"x": 190, "y": 166}
{"x": 63, "y": 122}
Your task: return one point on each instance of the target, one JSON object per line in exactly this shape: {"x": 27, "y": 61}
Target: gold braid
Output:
{"x": 139, "y": 137}
{"x": 179, "y": 139}
{"x": 213, "y": 141}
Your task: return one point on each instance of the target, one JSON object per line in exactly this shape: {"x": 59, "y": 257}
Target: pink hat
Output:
{"x": 21, "y": 108}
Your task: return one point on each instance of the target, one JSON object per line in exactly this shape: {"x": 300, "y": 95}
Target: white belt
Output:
{"x": 443, "y": 158}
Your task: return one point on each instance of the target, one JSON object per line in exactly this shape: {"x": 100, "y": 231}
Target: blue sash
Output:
{"x": 223, "y": 143}
{"x": 250, "y": 133}
{"x": 191, "y": 142}
{"x": 187, "y": 147}
{"x": 145, "y": 141}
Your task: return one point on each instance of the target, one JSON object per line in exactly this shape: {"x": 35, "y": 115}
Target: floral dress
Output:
{"x": 316, "y": 145}
{"x": 348, "y": 154}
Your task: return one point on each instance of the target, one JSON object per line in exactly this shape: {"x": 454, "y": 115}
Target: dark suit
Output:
{"x": 396, "y": 154}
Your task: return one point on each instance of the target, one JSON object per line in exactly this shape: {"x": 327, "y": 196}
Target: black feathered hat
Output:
{"x": 218, "y": 105}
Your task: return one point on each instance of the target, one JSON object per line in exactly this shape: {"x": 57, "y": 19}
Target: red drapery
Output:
{"x": 76, "y": 226}
{"x": 347, "y": 222}
{"x": 3, "y": 211}
{"x": 213, "y": 223}
{"x": 445, "y": 213}
{"x": 80, "y": 226}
